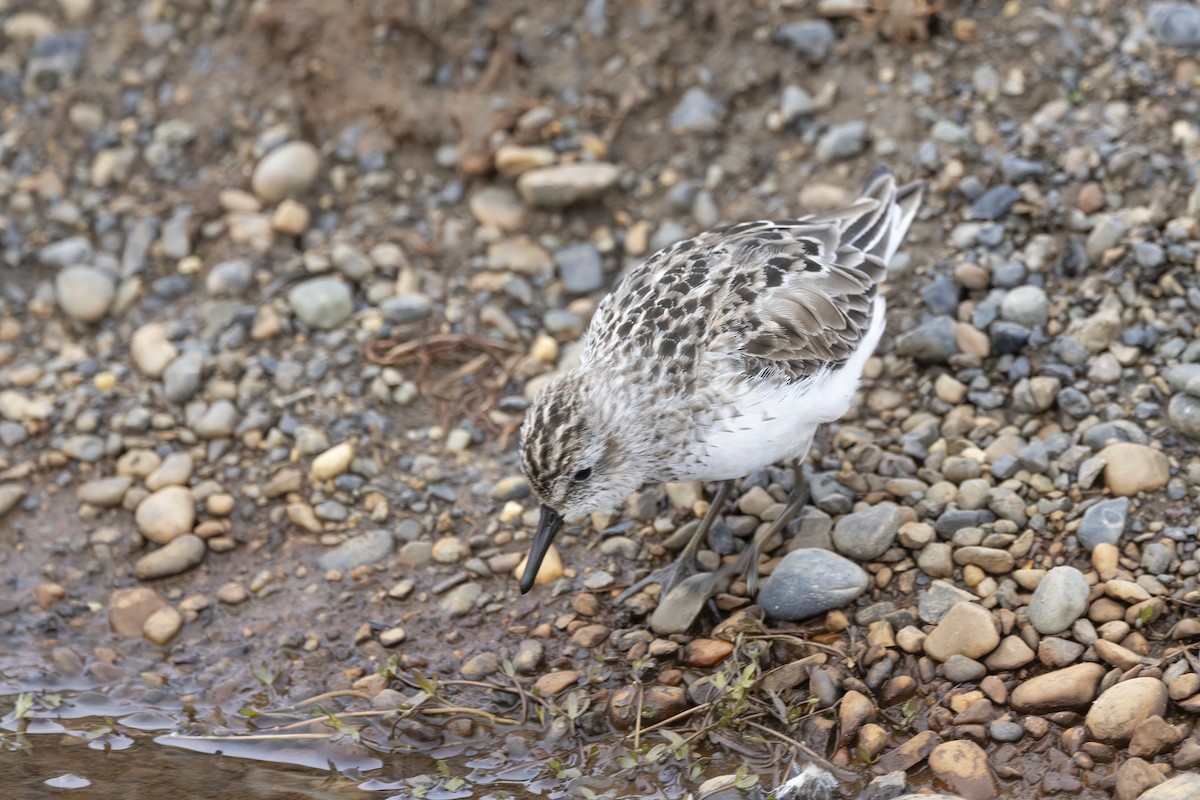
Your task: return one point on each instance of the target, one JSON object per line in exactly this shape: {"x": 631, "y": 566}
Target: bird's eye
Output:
{"x": 583, "y": 474}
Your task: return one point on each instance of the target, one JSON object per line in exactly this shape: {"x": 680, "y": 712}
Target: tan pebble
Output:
{"x": 553, "y": 683}
{"x": 949, "y": 390}
{"x": 544, "y": 349}
{"x": 1106, "y": 560}
{"x": 291, "y": 218}
{"x": 333, "y": 462}
{"x": 550, "y": 570}
{"x": 706, "y": 652}
{"x": 219, "y": 505}
{"x": 232, "y": 593}
{"x": 392, "y": 637}
{"x": 590, "y": 636}
{"x": 962, "y": 766}
{"x": 162, "y": 626}
{"x": 972, "y": 341}
{"x": 1090, "y": 198}
{"x": 302, "y": 515}
{"x": 47, "y": 594}
{"x": 585, "y": 604}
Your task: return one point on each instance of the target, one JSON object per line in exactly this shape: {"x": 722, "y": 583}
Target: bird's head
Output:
{"x": 574, "y": 448}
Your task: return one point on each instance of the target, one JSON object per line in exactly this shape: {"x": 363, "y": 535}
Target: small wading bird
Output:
{"x": 717, "y": 356}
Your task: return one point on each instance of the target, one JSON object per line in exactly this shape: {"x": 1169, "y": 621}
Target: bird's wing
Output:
{"x": 798, "y": 294}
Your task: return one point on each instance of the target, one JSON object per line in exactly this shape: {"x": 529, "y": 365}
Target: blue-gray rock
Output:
{"x": 842, "y": 141}
{"x": 350, "y": 262}
{"x": 580, "y": 267}
{"x": 933, "y": 341}
{"x": 1059, "y": 600}
{"x": 1006, "y": 731}
{"x": 995, "y": 202}
{"x": 809, "y": 582}
{"x": 960, "y": 669}
{"x": 1107, "y": 233}
{"x": 795, "y": 103}
{"x": 55, "y": 60}
{"x": 696, "y": 112}
{"x": 321, "y": 303}
{"x": 218, "y": 421}
{"x": 369, "y": 548}
{"x": 1175, "y": 24}
{"x": 1156, "y": 558}
{"x": 1019, "y": 170}
{"x": 1027, "y": 306}
{"x": 137, "y": 245}
{"x": 229, "y": 277}
{"x": 1103, "y": 434}
{"x": 181, "y": 378}
{"x": 406, "y": 308}
{"x": 84, "y": 447}
{"x": 1183, "y": 412}
{"x": 936, "y": 601}
{"x": 1103, "y": 523}
{"x": 65, "y": 252}
{"x": 1007, "y": 337}
{"x": 1184, "y": 378}
{"x": 1149, "y": 255}
{"x": 1074, "y": 402}
{"x": 941, "y": 296}
{"x": 867, "y": 534}
{"x": 176, "y": 237}
{"x": 813, "y": 40}
{"x": 829, "y": 495}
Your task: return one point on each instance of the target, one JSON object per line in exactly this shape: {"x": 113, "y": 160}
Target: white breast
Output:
{"x": 775, "y": 423}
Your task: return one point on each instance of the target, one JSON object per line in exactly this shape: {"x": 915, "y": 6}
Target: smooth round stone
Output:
{"x": 1103, "y": 523}
{"x": 181, "y": 378}
{"x": 128, "y": 609}
{"x": 842, "y": 141}
{"x": 933, "y": 341}
{"x": 867, "y": 534}
{"x": 1132, "y": 468}
{"x": 1185, "y": 786}
{"x": 966, "y": 630}
{"x": 174, "y": 470}
{"x": 371, "y": 547}
{"x": 84, "y": 293}
{"x": 1027, "y": 306}
{"x": 166, "y": 514}
{"x": 322, "y": 303}
{"x": 163, "y": 625}
{"x": 1062, "y": 690}
{"x": 229, "y": 278}
{"x": 217, "y": 422}
{"x": 178, "y": 555}
{"x": 962, "y": 765}
{"x": 810, "y": 581}
{"x": 1012, "y": 653}
{"x": 564, "y": 184}
{"x": 1006, "y": 731}
{"x": 286, "y": 171}
{"x": 105, "y": 492}
{"x": 450, "y": 550}
{"x": 1183, "y": 412}
{"x": 499, "y": 207}
{"x": 961, "y": 669}
{"x": 696, "y": 112}
{"x": 1059, "y": 600}
{"x": 461, "y": 599}
{"x": 1119, "y": 711}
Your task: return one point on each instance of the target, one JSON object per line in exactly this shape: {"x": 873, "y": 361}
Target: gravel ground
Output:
{"x": 277, "y": 281}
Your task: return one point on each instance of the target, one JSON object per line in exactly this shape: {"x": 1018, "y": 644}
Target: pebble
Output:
{"x": 696, "y": 112}
{"x": 1182, "y": 787}
{"x": 287, "y": 171}
{"x": 1059, "y": 600}
{"x": 499, "y": 207}
{"x": 321, "y": 303}
{"x": 995, "y": 202}
{"x": 813, "y": 40}
{"x": 480, "y": 666}
{"x": 842, "y": 141}
{"x": 229, "y": 278}
{"x": 1027, "y": 306}
{"x": 1183, "y": 412}
{"x": 166, "y": 514}
{"x": 1121, "y": 708}
{"x": 1103, "y": 523}
{"x": 10, "y": 495}
{"x": 174, "y": 470}
{"x": 105, "y": 492}
{"x": 217, "y": 422}
{"x": 962, "y": 766}
{"x": 1175, "y": 24}
{"x": 1132, "y": 468}
{"x": 461, "y": 599}
{"x": 84, "y": 293}
{"x": 934, "y": 341}
{"x": 333, "y": 462}
{"x": 563, "y": 185}
{"x": 151, "y": 350}
{"x": 553, "y": 683}
{"x": 966, "y": 630}
{"x": 163, "y": 625}
{"x": 128, "y": 609}
{"x": 810, "y": 581}
{"x": 867, "y": 534}
{"x": 550, "y": 570}
{"x": 372, "y": 547}
{"x": 181, "y": 379}
{"x": 580, "y": 268}
{"x": 1061, "y": 690}
{"x": 178, "y": 555}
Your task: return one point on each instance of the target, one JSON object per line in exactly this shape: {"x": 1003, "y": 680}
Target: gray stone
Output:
{"x": 406, "y": 308}
{"x": 564, "y": 184}
{"x": 809, "y": 582}
{"x": 105, "y": 492}
{"x": 371, "y": 547}
{"x": 1185, "y": 786}
{"x": 10, "y": 495}
{"x": 322, "y": 303}
{"x": 84, "y": 293}
{"x": 813, "y": 40}
{"x": 1103, "y": 523}
{"x": 1175, "y": 25}
{"x": 933, "y": 341}
{"x": 995, "y": 202}
{"x": 795, "y": 103}
{"x": 181, "y": 378}
{"x": 230, "y": 278}
{"x": 66, "y": 252}
{"x": 1059, "y": 600}
{"x": 218, "y": 421}
{"x": 1184, "y": 378}
{"x": 936, "y": 601}
{"x": 287, "y": 171}
{"x": 696, "y": 112}
{"x": 1027, "y": 306}
{"x": 1184, "y": 414}
{"x": 1107, "y": 233}
{"x": 842, "y": 141}
{"x": 580, "y": 267}
{"x": 461, "y": 599}
{"x": 350, "y": 262}
{"x": 961, "y": 669}
{"x": 867, "y": 534}
{"x": 55, "y": 60}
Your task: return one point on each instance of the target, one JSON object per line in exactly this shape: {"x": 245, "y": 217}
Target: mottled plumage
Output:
{"x": 717, "y": 355}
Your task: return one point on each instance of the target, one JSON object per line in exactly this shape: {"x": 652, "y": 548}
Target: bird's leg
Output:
{"x": 685, "y": 564}
{"x": 747, "y": 562}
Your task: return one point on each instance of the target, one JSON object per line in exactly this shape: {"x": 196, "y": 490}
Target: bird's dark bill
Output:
{"x": 548, "y": 526}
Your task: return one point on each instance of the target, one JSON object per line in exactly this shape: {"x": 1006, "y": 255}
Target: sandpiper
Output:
{"x": 716, "y": 356}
